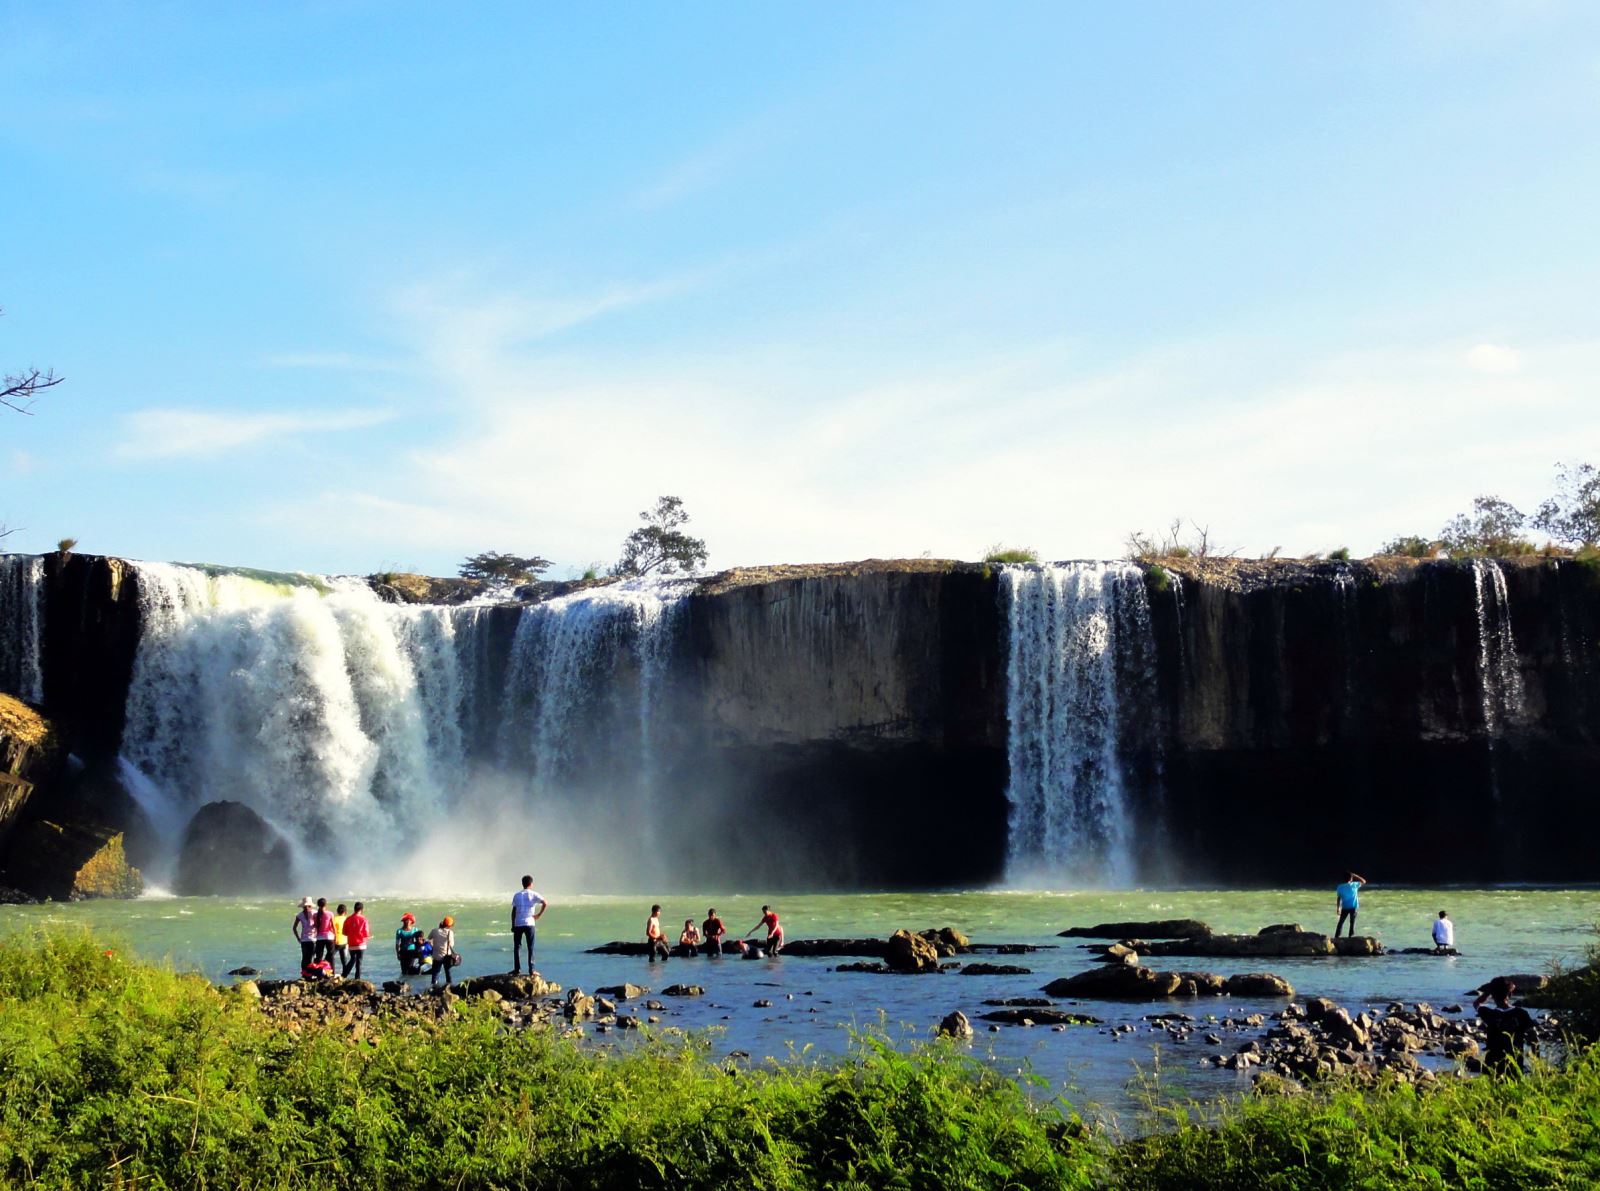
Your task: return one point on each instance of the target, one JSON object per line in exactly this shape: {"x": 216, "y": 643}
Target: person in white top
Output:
{"x": 527, "y": 907}
{"x": 1444, "y": 931}
{"x": 443, "y": 938}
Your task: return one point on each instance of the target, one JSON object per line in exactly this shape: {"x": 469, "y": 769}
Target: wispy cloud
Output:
{"x": 193, "y": 433}
{"x": 334, "y": 362}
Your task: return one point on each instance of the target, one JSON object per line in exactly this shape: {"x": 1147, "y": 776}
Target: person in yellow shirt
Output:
{"x": 341, "y": 945}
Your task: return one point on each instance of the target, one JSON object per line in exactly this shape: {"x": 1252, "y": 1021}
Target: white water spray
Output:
{"x": 1499, "y": 675}
{"x": 1068, "y": 791}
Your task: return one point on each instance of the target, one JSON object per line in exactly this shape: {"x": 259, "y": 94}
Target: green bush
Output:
{"x": 1158, "y": 577}
{"x": 1342, "y": 554}
{"x": 1002, "y": 553}
{"x": 1409, "y": 546}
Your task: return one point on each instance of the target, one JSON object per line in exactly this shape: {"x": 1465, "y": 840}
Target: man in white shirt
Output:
{"x": 527, "y": 907}
{"x": 1444, "y": 931}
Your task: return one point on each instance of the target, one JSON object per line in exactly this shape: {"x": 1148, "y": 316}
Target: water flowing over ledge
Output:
{"x": 857, "y": 725}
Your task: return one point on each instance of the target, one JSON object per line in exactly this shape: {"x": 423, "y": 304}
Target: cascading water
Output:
{"x": 1079, "y": 638}
{"x": 21, "y": 623}
{"x": 1499, "y": 674}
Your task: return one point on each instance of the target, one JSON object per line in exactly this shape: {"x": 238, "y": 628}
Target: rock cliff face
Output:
{"x": 847, "y": 725}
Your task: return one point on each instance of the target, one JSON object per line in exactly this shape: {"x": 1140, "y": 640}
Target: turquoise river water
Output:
{"x": 1498, "y": 930}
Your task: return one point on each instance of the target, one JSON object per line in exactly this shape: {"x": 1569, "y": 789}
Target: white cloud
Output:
{"x": 180, "y": 433}
{"x": 1494, "y": 358}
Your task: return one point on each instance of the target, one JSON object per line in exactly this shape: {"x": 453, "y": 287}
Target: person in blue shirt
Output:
{"x": 1349, "y": 899}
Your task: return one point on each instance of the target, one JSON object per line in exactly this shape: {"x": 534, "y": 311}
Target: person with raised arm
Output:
{"x": 769, "y": 923}
{"x": 1348, "y": 898}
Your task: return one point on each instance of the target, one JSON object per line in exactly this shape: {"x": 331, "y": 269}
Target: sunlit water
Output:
{"x": 1506, "y": 930}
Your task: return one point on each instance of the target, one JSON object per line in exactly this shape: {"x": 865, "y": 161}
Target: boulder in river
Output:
{"x": 1040, "y": 1017}
{"x": 1275, "y": 943}
{"x": 1163, "y": 928}
{"x": 955, "y": 1025}
{"x": 1258, "y": 984}
{"x": 228, "y": 848}
{"x": 623, "y": 992}
{"x": 907, "y": 952}
{"x": 982, "y": 969}
{"x": 1358, "y": 945}
{"x": 683, "y": 990}
{"x": 1118, "y": 983}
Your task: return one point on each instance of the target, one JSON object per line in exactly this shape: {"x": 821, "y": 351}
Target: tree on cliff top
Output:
{"x": 1493, "y": 529}
{"x": 660, "y": 544}
{"x": 1572, "y": 515}
{"x": 503, "y": 568}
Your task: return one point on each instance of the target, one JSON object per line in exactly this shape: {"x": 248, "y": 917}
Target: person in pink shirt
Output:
{"x": 325, "y": 933}
{"x": 305, "y": 932}
{"x": 357, "y": 930}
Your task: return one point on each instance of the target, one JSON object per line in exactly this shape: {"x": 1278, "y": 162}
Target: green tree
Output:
{"x": 506, "y": 568}
{"x": 1408, "y": 546}
{"x": 660, "y": 545}
{"x": 1000, "y": 552}
{"x": 1572, "y": 515}
{"x": 1494, "y": 528}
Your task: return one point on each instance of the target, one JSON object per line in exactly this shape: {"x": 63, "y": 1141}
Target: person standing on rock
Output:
{"x": 341, "y": 946}
{"x": 1444, "y": 932}
{"x": 443, "y": 938}
{"x": 655, "y": 937}
{"x": 1509, "y": 1029}
{"x": 712, "y": 931}
{"x": 1348, "y": 897}
{"x": 324, "y": 925}
{"x": 527, "y": 907}
{"x": 305, "y": 932}
{"x": 769, "y": 922}
{"x": 357, "y": 930}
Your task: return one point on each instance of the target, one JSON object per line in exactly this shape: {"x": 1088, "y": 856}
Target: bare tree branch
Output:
{"x": 17, "y": 392}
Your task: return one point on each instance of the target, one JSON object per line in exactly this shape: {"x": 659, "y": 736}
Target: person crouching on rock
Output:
{"x": 305, "y": 932}
{"x": 1509, "y": 1029}
{"x": 443, "y": 940}
{"x": 688, "y": 938}
{"x": 357, "y": 930}
{"x": 1348, "y": 898}
{"x": 654, "y": 936}
{"x": 712, "y": 931}
{"x": 1444, "y": 932}
{"x": 769, "y": 921}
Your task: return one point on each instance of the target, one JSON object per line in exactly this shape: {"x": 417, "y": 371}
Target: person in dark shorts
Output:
{"x": 305, "y": 931}
{"x": 712, "y": 931}
{"x": 1508, "y": 1029}
{"x": 1348, "y": 896}
{"x": 655, "y": 936}
{"x": 769, "y": 922}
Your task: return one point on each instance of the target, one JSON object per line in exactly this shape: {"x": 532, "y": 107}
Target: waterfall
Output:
{"x": 1080, "y": 645}
{"x": 564, "y": 649}
{"x": 21, "y": 622}
{"x": 1499, "y": 675}
{"x": 336, "y": 716}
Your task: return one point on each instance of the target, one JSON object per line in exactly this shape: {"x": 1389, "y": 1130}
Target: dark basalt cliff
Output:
{"x": 846, "y": 725}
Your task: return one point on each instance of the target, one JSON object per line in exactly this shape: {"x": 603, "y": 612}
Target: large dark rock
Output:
{"x": 1118, "y": 983}
{"x": 1269, "y": 943}
{"x": 907, "y": 952}
{"x": 69, "y": 862}
{"x": 228, "y": 848}
{"x": 1164, "y": 928}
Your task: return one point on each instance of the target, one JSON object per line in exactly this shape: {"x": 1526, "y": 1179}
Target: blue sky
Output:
{"x": 344, "y": 287}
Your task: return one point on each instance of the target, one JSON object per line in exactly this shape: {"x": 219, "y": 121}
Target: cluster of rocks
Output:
{"x": 1130, "y": 982}
{"x": 1192, "y": 938}
{"x": 904, "y": 951}
{"x": 1320, "y": 1039}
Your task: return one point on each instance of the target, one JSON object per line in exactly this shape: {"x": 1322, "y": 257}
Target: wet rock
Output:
{"x": 1021, "y": 1002}
{"x": 763, "y": 1003}
{"x": 623, "y": 992}
{"x": 246, "y": 971}
{"x": 982, "y": 969}
{"x": 1281, "y": 928}
{"x": 1206, "y": 984}
{"x": 654, "y": 1006}
{"x": 1164, "y": 928}
{"x": 396, "y": 986}
{"x": 862, "y": 966}
{"x": 683, "y": 990}
{"x": 228, "y": 848}
{"x": 1041, "y": 1017}
{"x": 1461, "y": 1048}
{"x": 578, "y": 1004}
{"x": 911, "y": 953}
{"x": 624, "y": 1022}
{"x": 604, "y": 1006}
{"x": 1116, "y": 983}
{"x": 1317, "y": 1007}
{"x": 955, "y": 1025}
{"x": 1358, "y": 945}
{"x": 509, "y": 987}
{"x": 1258, "y": 984}
{"x": 1337, "y": 1024}
{"x": 1278, "y": 943}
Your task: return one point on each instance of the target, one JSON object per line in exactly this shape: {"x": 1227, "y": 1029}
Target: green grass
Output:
{"x": 118, "y": 1073}
{"x": 1002, "y": 554}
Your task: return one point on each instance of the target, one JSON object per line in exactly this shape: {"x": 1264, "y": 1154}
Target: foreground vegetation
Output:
{"x": 116, "y": 1073}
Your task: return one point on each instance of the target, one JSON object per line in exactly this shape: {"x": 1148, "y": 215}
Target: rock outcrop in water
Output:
{"x": 856, "y": 725}
{"x": 228, "y": 848}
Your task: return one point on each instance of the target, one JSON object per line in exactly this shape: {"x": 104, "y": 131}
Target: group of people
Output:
{"x": 326, "y": 937}
{"x": 711, "y": 936}
{"x": 1347, "y": 897}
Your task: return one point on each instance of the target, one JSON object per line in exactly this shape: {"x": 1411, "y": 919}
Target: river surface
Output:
{"x": 813, "y": 1007}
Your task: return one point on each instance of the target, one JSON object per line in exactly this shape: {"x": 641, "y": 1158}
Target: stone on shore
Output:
{"x": 508, "y": 986}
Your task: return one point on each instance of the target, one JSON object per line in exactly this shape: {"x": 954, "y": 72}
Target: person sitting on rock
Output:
{"x": 408, "y": 943}
{"x": 688, "y": 938}
{"x": 712, "y": 930}
{"x": 769, "y": 922}
{"x": 1444, "y": 932}
{"x": 1348, "y": 899}
{"x": 655, "y": 937}
{"x": 1509, "y": 1029}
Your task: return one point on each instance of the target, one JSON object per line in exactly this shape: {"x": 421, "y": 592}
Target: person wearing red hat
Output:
{"x": 408, "y": 946}
{"x": 443, "y": 938}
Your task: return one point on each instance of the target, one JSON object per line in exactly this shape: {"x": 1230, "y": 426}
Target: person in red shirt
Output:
{"x": 769, "y": 920}
{"x": 357, "y": 930}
